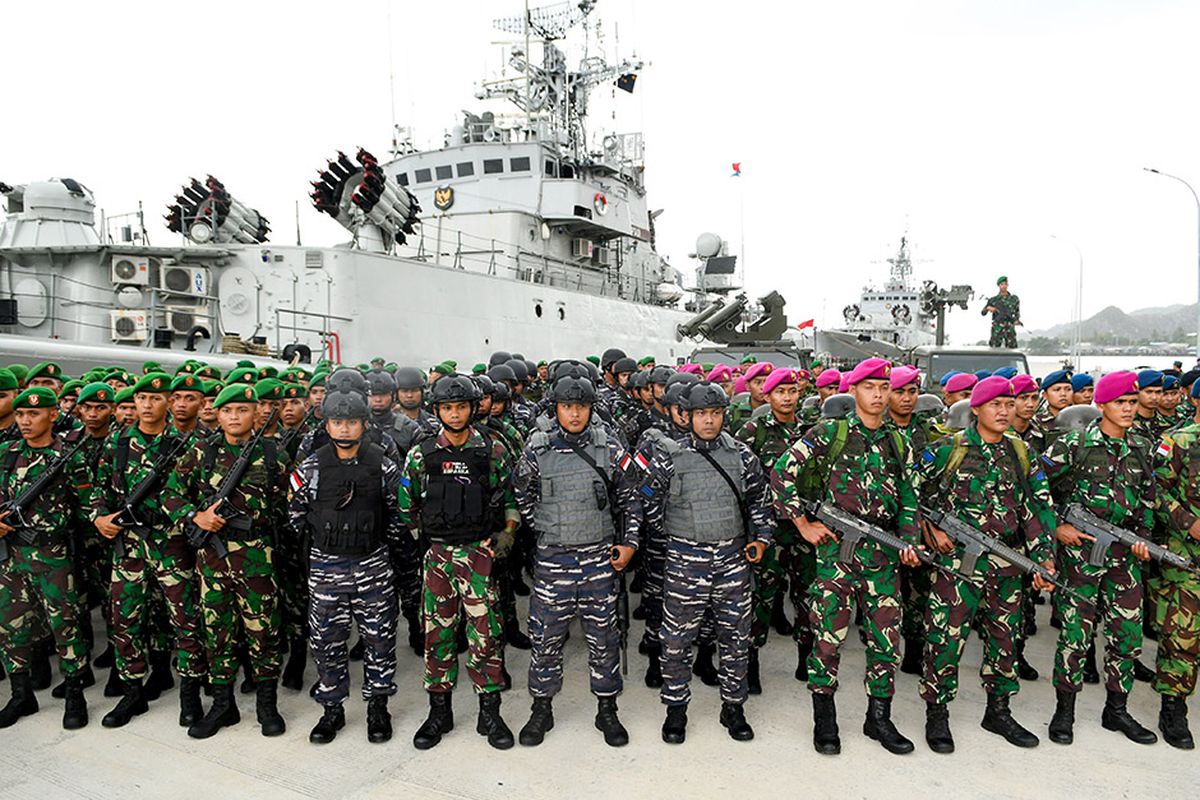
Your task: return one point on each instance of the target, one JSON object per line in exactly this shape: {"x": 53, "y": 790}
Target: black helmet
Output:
{"x": 517, "y": 356}
{"x": 455, "y": 388}
{"x": 485, "y": 384}
{"x": 610, "y": 357}
{"x": 706, "y": 395}
{"x": 638, "y": 380}
{"x": 409, "y": 378}
{"x": 519, "y": 369}
{"x": 573, "y": 390}
{"x": 660, "y": 375}
{"x": 530, "y": 368}
{"x": 569, "y": 368}
{"x": 500, "y": 373}
{"x": 345, "y": 405}
{"x": 499, "y": 357}
{"x": 683, "y": 377}
{"x": 501, "y": 392}
{"x": 346, "y": 380}
{"x": 625, "y": 364}
{"x": 381, "y": 382}
{"x": 675, "y": 394}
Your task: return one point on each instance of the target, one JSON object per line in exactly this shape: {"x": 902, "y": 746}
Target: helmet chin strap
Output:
{"x": 345, "y": 444}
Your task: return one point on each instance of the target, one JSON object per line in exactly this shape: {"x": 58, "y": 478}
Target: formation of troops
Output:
{"x": 239, "y": 524}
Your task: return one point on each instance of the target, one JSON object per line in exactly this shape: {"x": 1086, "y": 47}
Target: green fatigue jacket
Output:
{"x": 142, "y": 451}
{"x": 1178, "y": 478}
{"x": 52, "y": 515}
{"x": 411, "y": 488}
{"x": 1008, "y": 309}
{"x": 768, "y": 437}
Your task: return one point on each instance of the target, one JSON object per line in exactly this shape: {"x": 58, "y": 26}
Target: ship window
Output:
{"x": 466, "y": 168}
{"x": 423, "y": 176}
{"x": 566, "y": 171}
{"x": 550, "y": 168}
{"x": 493, "y": 165}
{"x": 519, "y": 164}
{"x": 402, "y": 178}
{"x": 445, "y": 172}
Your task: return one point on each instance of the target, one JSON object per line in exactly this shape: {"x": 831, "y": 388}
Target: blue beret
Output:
{"x": 1006, "y": 372}
{"x": 1058, "y": 376}
{"x": 1196, "y": 389}
{"x": 1170, "y": 382}
{"x": 948, "y": 376}
{"x": 1148, "y": 378}
{"x": 983, "y": 373}
{"x": 1081, "y": 381}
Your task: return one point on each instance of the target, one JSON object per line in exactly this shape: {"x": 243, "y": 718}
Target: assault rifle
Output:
{"x": 851, "y": 530}
{"x": 13, "y": 512}
{"x": 292, "y": 434}
{"x": 148, "y": 487}
{"x": 235, "y": 518}
{"x": 1105, "y": 534}
{"x": 975, "y": 543}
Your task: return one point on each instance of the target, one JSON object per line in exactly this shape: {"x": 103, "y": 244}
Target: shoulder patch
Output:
{"x": 1164, "y": 448}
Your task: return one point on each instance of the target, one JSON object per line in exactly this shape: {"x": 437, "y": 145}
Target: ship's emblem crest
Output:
{"x": 443, "y": 197}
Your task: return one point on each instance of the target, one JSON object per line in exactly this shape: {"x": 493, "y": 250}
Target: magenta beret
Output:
{"x": 870, "y": 369}
{"x": 961, "y": 382}
{"x": 721, "y": 372}
{"x": 739, "y": 386}
{"x": 692, "y": 368}
{"x": 844, "y": 383}
{"x": 758, "y": 370}
{"x": 989, "y": 389}
{"x": 828, "y": 377}
{"x": 777, "y": 377}
{"x": 1114, "y": 385}
{"x": 1023, "y": 384}
{"x": 903, "y": 376}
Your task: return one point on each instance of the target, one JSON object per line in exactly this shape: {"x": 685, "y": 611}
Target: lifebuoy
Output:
{"x": 600, "y": 203}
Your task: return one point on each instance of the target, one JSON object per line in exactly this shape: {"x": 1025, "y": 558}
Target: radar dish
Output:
{"x": 708, "y": 245}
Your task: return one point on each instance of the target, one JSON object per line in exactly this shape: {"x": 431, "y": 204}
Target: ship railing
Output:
{"x": 326, "y": 330}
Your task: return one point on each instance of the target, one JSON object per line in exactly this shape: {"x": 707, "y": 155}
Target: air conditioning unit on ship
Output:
{"x": 602, "y": 256}
{"x": 130, "y": 270}
{"x": 581, "y": 248}
{"x": 181, "y": 319}
{"x": 192, "y": 281}
{"x": 128, "y": 326}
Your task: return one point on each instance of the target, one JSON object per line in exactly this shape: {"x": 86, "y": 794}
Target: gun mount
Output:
{"x": 719, "y": 321}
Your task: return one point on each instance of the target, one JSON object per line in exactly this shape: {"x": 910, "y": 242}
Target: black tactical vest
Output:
{"x": 455, "y": 507}
{"x": 347, "y": 516}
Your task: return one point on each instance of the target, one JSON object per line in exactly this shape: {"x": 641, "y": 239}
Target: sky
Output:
{"x": 1002, "y": 138}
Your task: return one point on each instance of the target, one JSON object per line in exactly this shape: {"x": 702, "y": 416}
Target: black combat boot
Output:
{"x": 133, "y": 703}
{"x": 23, "y": 702}
{"x": 1025, "y": 670}
{"x": 803, "y": 651}
{"x": 113, "y": 686}
{"x": 937, "y": 728}
{"x": 674, "y": 729}
{"x": 1142, "y": 673}
{"x": 379, "y": 721}
{"x": 541, "y": 720}
{"x": 654, "y": 678}
{"x": 332, "y": 721}
{"x": 913, "y": 648}
{"x": 190, "y": 709}
{"x": 293, "y": 671}
{"x": 222, "y": 714}
{"x": 86, "y": 678}
{"x": 357, "y": 651}
{"x": 491, "y": 724}
{"x": 75, "y": 711}
{"x": 1090, "y": 673}
{"x": 105, "y": 659}
{"x": 439, "y": 722}
{"x": 825, "y": 728}
{"x": 879, "y": 726}
{"x": 1172, "y": 721}
{"x": 733, "y": 717}
{"x": 998, "y": 719}
{"x": 1116, "y": 717}
{"x": 779, "y": 620}
{"x": 638, "y": 613}
{"x": 266, "y": 709}
{"x": 513, "y": 637}
{"x": 1062, "y": 724}
{"x": 160, "y": 680}
{"x": 703, "y": 667}
{"x": 607, "y": 722}
{"x": 753, "y": 679}
{"x": 416, "y": 635}
{"x": 249, "y": 686}
{"x": 39, "y": 666}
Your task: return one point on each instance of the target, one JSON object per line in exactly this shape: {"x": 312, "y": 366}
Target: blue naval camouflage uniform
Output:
{"x": 706, "y": 567}
{"x": 346, "y": 585}
{"x": 558, "y": 493}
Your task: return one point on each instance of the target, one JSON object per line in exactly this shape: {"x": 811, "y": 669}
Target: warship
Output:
{"x": 526, "y": 230}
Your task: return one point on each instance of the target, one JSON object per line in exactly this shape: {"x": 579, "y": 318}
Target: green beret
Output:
{"x": 19, "y": 370}
{"x": 816, "y": 362}
{"x": 1001, "y": 279}
{"x": 644, "y": 360}
{"x": 318, "y": 379}
{"x": 299, "y": 374}
{"x": 363, "y": 367}
{"x": 595, "y": 360}
{"x": 246, "y": 363}
{"x": 97, "y": 392}
{"x": 124, "y": 396}
{"x": 246, "y": 375}
{"x": 479, "y": 369}
{"x": 119, "y": 375}
{"x": 153, "y": 383}
{"x": 452, "y": 364}
{"x": 292, "y": 391}
{"x": 154, "y": 366}
{"x": 70, "y": 388}
{"x": 187, "y": 382}
{"x": 269, "y": 389}
{"x": 749, "y": 360}
{"x": 236, "y": 393}
{"x": 36, "y": 397}
{"x": 267, "y": 372}
{"x": 445, "y": 368}
{"x": 46, "y": 369}
{"x": 436, "y": 368}
{"x": 207, "y": 371}
{"x": 708, "y": 366}
{"x": 213, "y": 388}
{"x": 8, "y": 381}
{"x": 391, "y": 367}
{"x": 543, "y": 363}
{"x": 377, "y": 360}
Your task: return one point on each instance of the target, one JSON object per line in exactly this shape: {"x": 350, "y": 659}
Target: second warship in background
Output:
{"x": 526, "y": 232}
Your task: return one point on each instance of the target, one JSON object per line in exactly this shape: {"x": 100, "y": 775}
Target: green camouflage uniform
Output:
{"x": 915, "y": 582}
{"x": 238, "y": 591}
{"x": 981, "y": 492}
{"x": 37, "y": 580}
{"x": 1004, "y": 319}
{"x": 1110, "y": 478}
{"x": 1177, "y": 607}
{"x": 870, "y": 480}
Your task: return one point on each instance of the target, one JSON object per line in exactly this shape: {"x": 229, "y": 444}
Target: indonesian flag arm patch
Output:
{"x": 296, "y": 481}
{"x": 1164, "y": 449}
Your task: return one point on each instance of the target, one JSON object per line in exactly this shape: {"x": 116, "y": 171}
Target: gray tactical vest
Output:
{"x": 567, "y": 514}
{"x": 700, "y": 507}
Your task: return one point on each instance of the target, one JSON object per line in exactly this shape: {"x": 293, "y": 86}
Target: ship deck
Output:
{"x": 153, "y": 757}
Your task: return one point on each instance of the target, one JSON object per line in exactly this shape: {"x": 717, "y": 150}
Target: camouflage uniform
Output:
{"x": 457, "y": 572}
{"x": 345, "y": 585}
{"x": 572, "y": 574}
{"x": 93, "y": 553}
{"x": 980, "y": 492}
{"x": 870, "y": 480}
{"x": 37, "y": 580}
{"x": 149, "y": 560}
{"x": 706, "y": 568}
{"x": 1112, "y": 481}
{"x": 1004, "y": 319}
{"x": 239, "y": 592}
{"x": 915, "y": 582}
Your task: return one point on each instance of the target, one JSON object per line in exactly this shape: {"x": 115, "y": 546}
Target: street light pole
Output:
{"x": 1078, "y": 337}
{"x": 1197, "y": 199}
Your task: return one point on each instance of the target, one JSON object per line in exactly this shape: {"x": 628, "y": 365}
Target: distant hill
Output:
{"x": 1166, "y": 323}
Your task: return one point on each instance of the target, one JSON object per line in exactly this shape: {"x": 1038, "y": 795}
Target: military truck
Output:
{"x": 934, "y": 361}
